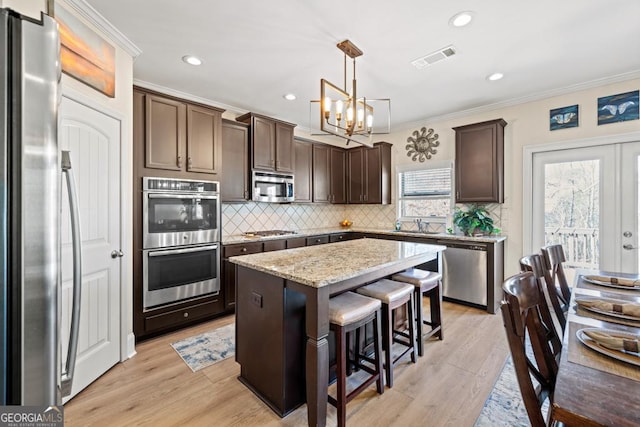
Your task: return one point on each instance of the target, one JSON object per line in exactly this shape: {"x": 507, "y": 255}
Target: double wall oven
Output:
{"x": 181, "y": 240}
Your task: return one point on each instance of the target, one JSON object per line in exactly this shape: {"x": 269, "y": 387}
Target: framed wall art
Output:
{"x": 84, "y": 55}
{"x": 562, "y": 118}
{"x": 618, "y": 108}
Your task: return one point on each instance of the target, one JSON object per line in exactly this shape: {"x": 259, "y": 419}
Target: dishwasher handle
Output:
{"x": 467, "y": 246}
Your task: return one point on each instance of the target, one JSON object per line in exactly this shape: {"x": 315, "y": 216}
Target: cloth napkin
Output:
{"x": 615, "y": 280}
{"x": 614, "y": 343}
{"x": 628, "y": 309}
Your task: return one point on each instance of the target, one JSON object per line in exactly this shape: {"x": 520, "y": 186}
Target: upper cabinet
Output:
{"x": 271, "y": 143}
{"x": 302, "y": 171}
{"x": 369, "y": 174}
{"x": 329, "y": 174}
{"x": 479, "y": 162}
{"x": 234, "y": 185}
{"x": 178, "y": 135}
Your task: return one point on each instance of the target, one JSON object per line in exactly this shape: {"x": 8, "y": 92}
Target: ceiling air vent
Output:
{"x": 433, "y": 57}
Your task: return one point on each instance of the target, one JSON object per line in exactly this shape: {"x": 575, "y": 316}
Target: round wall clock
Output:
{"x": 422, "y": 144}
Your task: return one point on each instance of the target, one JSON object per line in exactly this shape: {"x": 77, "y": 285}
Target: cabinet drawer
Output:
{"x": 317, "y": 240}
{"x": 183, "y": 315}
{"x": 275, "y": 245}
{"x": 339, "y": 237}
{"x": 241, "y": 249}
{"x": 296, "y": 242}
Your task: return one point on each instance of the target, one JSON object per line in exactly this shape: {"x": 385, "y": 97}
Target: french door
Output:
{"x": 587, "y": 200}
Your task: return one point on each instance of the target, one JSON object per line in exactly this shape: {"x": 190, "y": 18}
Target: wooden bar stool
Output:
{"x": 427, "y": 283}
{"x": 347, "y": 313}
{"x": 393, "y": 295}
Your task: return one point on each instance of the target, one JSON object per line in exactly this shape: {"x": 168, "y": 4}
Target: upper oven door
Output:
{"x": 180, "y": 219}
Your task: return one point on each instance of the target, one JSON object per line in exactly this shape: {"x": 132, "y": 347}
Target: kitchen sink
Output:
{"x": 417, "y": 232}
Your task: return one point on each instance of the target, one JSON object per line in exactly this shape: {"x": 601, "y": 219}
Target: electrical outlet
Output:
{"x": 256, "y": 299}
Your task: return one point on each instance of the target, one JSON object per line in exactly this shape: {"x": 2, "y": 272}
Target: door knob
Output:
{"x": 629, "y": 247}
{"x": 627, "y": 234}
{"x": 117, "y": 254}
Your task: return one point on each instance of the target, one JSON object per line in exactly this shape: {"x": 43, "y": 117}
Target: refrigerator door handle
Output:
{"x": 70, "y": 364}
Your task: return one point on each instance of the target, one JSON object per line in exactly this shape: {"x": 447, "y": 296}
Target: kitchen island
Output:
{"x": 282, "y": 321}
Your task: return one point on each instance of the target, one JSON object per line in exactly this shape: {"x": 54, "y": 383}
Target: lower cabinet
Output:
{"x": 229, "y": 269}
{"x": 172, "y": 319}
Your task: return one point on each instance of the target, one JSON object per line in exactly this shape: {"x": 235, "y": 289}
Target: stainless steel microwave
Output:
{"x": 271, "y": 187}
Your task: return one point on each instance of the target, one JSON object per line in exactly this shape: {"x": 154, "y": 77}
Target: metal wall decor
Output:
{"x": 422, "y": 144}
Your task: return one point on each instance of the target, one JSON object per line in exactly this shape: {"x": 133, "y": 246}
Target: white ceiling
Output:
{"x": 256, "y": 51}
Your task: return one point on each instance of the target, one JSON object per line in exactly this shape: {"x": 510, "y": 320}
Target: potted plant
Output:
{"x": 474, "y": 221}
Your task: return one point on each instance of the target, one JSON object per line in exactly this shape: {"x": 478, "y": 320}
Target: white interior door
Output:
{"x": 93, "y": 138}
{"x": 587, "y": 199}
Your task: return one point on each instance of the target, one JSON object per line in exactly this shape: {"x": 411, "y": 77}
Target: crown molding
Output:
{"x": 86, "y": 11}
{"x": 631, "y": 75}
{"x": 188, "y": 96}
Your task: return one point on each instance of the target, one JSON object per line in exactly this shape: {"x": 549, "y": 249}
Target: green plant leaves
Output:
{"x": 475, "y": 217}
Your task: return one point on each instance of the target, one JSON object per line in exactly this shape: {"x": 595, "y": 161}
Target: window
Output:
{"x": 425, "y": 193}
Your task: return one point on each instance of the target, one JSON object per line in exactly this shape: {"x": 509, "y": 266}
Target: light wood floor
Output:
{"x": 447, "y": 387}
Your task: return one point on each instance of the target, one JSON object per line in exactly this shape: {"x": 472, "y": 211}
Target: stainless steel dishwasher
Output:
{"x": 464, "y": 276}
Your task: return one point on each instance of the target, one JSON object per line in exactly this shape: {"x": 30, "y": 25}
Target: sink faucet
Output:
{"x": 423, "y": 226}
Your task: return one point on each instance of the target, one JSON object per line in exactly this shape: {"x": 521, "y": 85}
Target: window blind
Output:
{"x": 427, "y": 182}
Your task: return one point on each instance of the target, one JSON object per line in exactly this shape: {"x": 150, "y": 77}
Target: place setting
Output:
{"x": 611, "y": 282}
{"x": 609, "y": 310}
{"x": 604, "y": 348}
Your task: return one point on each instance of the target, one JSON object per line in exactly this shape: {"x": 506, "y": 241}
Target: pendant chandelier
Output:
{"x": 342, "y": 113}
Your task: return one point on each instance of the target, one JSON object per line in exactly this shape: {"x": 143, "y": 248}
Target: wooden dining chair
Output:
{"x": 553, "y": 256}
{"x": 535, "y": 365}
{"x": 535, "y": 264}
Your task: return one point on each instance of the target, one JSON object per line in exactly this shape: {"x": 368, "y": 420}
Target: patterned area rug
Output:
{"x": 205, "y": 349}
{"x": 504, "y": 406}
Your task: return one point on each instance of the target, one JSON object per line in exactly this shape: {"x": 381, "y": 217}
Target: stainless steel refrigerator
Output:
{"x": 30, "y": 204}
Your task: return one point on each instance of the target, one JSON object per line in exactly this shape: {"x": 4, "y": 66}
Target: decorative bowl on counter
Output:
{"x": 346, "y": 223}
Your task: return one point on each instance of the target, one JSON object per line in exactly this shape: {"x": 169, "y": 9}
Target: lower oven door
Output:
{"x": 175, "y": 274}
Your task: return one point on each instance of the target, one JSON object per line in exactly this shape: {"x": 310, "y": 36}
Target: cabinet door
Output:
{"x": 321, "y": 173}
{"x": 355, "y": 175}
{"x": 263, "y": 143}
{"x": 302, "y": 171}
{"x": 203, "y": 140}
{"x": 337, "y": 178}
{"x": 284, "y": 148}
{"x": 479, "y": 162}
{"x": 235, "y": 162}
{"x": 165, "y": 133}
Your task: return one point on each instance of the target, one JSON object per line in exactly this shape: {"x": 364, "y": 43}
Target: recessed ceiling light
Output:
{"x": 289, "y": 97}
{"x": 192, "y": 60}
{"x": 461, "y": 19}
{"x": 495, "y": 76}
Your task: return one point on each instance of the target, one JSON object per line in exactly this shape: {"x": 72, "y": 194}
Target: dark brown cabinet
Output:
{"x": 321, "y": 173}
{"x": 479, "y": 163}
{"x": 337, "y": 185}
{"x": 302, "y": 171}
{"x": 329, "y": 174}
{"x": 229, "y": 278}
{"x": 369, "y": 174}
{"x": 234, "y": 185}
{"x": 173, "y": 138}
{"x": 271, "y": 143}
{"x": 179, "y": 136}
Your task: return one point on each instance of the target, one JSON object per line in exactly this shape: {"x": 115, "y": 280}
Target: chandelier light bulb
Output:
{"x": 360, "y": 118}
{"x": 349, "y": 116}
{"x": 369, "y": 122}
{"x": 327, "y": 108}
{"x": 339, "y": 107}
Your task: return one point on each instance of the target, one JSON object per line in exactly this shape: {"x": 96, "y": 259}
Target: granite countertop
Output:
{"x": 240, "y": 238}
{"x": 322, "y": 265}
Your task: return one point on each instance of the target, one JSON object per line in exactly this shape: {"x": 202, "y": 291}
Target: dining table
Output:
{"x": 597, "y": 386}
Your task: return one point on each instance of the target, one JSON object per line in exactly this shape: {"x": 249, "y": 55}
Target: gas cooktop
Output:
{"x": 266, "y": 233}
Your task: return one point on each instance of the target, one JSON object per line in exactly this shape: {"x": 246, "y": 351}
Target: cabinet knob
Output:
{"x": 186, "y": 314}
{"x": 189, "y": 161}
{"x": 243, "y": 250}
{"x": 179, "y": 161}
{"x": 246, "y": 194}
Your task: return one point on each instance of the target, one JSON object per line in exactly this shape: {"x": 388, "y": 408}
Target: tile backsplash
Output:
{"x": 238, "y": 218}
